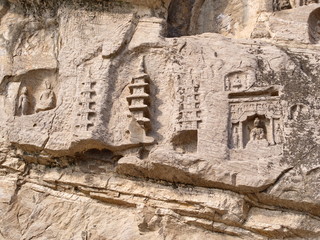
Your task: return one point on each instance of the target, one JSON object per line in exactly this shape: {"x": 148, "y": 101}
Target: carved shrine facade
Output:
{"x": 255, "y": 120}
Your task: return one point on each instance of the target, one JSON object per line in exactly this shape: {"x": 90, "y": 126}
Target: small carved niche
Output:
{"x": 298, "y": 110}
{"x": 186, "y": 141}
{"x": 238, "y": 80}
{"x": 314, "y": 26}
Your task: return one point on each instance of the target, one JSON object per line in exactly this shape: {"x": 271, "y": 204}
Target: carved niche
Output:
{"x": 238, "y": 80}
{"x": 34, "y": 95}
{"x": 255, "y": 120}
{"x": 298, "y": 110}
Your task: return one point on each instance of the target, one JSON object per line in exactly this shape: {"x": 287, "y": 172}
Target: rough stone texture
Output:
{"x": 147, "y": 119}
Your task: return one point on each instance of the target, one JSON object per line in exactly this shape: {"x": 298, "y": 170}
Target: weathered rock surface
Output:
{"x": 138, "y": 119}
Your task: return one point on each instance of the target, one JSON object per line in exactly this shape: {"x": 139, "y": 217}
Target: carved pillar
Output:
{"x": 241, "y": 145}
{"x": 272, "y": 131}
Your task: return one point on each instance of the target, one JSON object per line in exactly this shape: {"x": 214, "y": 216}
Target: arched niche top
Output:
{"x": 314, "y": 26}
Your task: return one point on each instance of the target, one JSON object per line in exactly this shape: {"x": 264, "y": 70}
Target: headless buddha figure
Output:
{"x": 257, "y": 133}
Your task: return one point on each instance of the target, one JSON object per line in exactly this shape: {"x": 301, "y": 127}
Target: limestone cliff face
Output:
{"x": 147, "y": 119}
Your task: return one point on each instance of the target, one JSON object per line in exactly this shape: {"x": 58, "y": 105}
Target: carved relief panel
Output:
{"x": 238, "y": 80}
{"x": 139, "y": 100}
{"x": 189, "y": 120}
{"x": 298, "y": 110}
{"x": 139, "y": 103}
{"x": 189, "y": 108}
{"x": 86, "y": 112}
{"x": 47, "y": 98}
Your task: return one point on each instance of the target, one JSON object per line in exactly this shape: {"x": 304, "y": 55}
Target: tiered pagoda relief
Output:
{"x": 139, "y": 100}
{"x": 139, "y": 103}
{"x": 188, "y": 120}
{"x": 86, "y": 112}
{"x": 189, "y": 111}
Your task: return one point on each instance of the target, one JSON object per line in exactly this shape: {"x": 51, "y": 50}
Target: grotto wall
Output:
{"x": 147, "y": 119}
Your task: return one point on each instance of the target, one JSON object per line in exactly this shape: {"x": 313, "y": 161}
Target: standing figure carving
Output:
{"x": 24, "y": 101}
{"x": 278, "y": 138}
{"x": 257, "y": 133}
{"x": 47, "y": 99}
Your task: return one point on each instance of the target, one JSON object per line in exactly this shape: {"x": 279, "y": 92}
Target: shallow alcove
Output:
{"x": 192, "y": 17}
{"x": 179, "y": 16}
{"x": 186, "y": 141}
{"x": 96, "y": 160}
{"x": 104, "y": 155}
